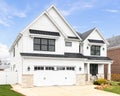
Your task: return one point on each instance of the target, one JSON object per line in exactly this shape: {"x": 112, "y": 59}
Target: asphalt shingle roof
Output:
{"x": 85, "y": 34}
{"x": 114, "y": 41}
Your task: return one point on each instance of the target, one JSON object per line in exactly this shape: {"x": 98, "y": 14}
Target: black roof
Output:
{"x": 98, "y": 58}
{"x": 95, "y": 41}
{"x": 73, "y": 37}
{"x": 44, "y": 32}
{"x": 66, "y": 55}
{"x": 85, "y": 34}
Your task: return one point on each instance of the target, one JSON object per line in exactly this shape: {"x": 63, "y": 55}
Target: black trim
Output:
{"x": 66, "y": 55}
{"x": 44, "y": 32}
{"x": 98, "y": 58}
{"x": 73, "y": 37}
{"x": 95, "y": 41}
{"x": 40, "y": 45}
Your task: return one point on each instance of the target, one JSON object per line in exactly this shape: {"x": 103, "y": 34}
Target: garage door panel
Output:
{"x": 50, "y": 77}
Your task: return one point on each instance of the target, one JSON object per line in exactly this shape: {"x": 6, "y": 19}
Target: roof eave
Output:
{"x": 16, "y": 40}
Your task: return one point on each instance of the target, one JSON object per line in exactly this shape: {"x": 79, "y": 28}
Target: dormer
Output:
{"x": 94, "y": 44}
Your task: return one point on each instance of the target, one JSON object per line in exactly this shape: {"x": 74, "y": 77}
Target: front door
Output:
{"x": 93, "y": 69}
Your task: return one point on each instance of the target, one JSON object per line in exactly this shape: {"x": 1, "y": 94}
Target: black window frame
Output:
{"x": 95, "y": 50}
{"x": 70, "y": 68}
{"x": 36, "y": 68}
{"x": 39, "y": 45}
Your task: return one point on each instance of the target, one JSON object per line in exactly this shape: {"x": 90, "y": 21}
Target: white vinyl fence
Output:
{"x": 8, "y": 77}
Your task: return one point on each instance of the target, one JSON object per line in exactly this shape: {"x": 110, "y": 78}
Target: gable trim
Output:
{"x": 64, "y": 20}
{"x": 95, "y": 29}
{"x": 56, "y": 25}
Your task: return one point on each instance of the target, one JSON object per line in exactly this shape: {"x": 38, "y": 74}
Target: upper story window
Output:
{"x": 95, "y": 50}
{"x": 68, "y": 44}
{"x": 43, "y": 44}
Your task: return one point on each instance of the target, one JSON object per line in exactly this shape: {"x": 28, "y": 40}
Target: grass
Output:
{"x": 5, "y": 90}
{"x": 113, "y": 89}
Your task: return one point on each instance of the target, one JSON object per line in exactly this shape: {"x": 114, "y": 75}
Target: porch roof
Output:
{"x": 97, "y": 58}
{"x": 66, "y": 55}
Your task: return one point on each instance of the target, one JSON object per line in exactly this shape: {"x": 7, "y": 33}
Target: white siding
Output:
{"x": 61, "y": 23}
{"x": 52, "y": 62}
{"x": 43, "y": 23}
{"x": 95, "y": 36}
{"x": 74, "y": 48}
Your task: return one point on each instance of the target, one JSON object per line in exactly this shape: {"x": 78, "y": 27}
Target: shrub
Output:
{"x": 100, "y": 81}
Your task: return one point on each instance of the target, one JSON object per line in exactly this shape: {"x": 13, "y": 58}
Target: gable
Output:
{"x": 44, "y": 23}
{"x": 95, "y": 35}
{"x": 61, "y": 22}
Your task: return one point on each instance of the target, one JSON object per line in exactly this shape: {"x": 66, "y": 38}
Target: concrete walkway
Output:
{"x": 87, "y": 90}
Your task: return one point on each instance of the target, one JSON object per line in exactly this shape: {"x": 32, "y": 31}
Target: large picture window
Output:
{"x": 43, "y": 44}
{"x": 95, "y": 50}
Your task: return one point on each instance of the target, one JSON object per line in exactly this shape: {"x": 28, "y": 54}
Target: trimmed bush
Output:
{"x": 100, "y": 81}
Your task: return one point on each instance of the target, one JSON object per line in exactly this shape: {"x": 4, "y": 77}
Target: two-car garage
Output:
{"x": 54, "y": 75}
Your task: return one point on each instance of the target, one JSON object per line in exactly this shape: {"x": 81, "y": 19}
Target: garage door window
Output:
{"x": 70, "y": 68}
{"x": 60, "y": 68}
{"x": 38, "y": 68}
{"x": 49, "y": 68}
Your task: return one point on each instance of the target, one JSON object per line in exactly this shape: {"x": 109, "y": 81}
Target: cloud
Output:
{"x": 8, "y": 12}
{"x": 4, "y": 54}
{"x": 112, "y": 10}
{"x": 80, "y": 5}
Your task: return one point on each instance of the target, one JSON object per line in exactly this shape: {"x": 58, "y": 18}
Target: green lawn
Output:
{"x": 114, "y": 89}
{"x": 5, "y": 90}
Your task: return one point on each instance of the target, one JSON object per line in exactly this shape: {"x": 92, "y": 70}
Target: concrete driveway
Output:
{"x": 87, "y": 90}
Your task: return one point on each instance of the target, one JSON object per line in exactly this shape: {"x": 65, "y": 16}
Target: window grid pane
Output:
{"x": 43, "y": 44}
{"x": 95, "y": 50}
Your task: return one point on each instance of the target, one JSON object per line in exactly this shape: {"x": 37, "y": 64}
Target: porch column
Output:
{"x": 109, "y": 72}
{"x": 88, "y": 71}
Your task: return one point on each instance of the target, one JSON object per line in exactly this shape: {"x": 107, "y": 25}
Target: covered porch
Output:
{"x": 95, "y": 69}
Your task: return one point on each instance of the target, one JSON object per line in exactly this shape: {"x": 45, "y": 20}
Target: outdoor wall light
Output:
{"x": 87, "y": 47}
{"x": 103, "y": 48}
{"x": 80, "y": 68}
{"x": 28, "y": 68}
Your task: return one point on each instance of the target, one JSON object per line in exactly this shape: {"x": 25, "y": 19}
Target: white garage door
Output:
{"x": 49, "y": 75}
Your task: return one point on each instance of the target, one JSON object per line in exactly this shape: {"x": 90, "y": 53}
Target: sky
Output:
{"x": 82, "y": 15}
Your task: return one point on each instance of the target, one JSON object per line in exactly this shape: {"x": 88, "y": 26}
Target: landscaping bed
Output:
{"x": 6, "y": 90}
{"x": 110, "y": 86}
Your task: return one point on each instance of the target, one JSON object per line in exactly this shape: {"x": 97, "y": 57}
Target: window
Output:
{"x": 95, "y": 50}
{"x": 38, "y": 68}
{"x": 60, "y": 68}
{"x": 70, "y": 68}
{"x": 49, "y": 68}
{"x": 93, "y": 69}
{"x": 68, "y": 44}
{"x": 42, "y": 44}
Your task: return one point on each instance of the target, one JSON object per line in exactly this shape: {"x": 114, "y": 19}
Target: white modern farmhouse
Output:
{"x": 50, "y": 52}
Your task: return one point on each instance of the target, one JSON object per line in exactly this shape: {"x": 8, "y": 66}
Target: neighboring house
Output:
{"x": 4, "y": 65}
{"x": 114, "y": 53}
{"x": 50, "y": 52}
